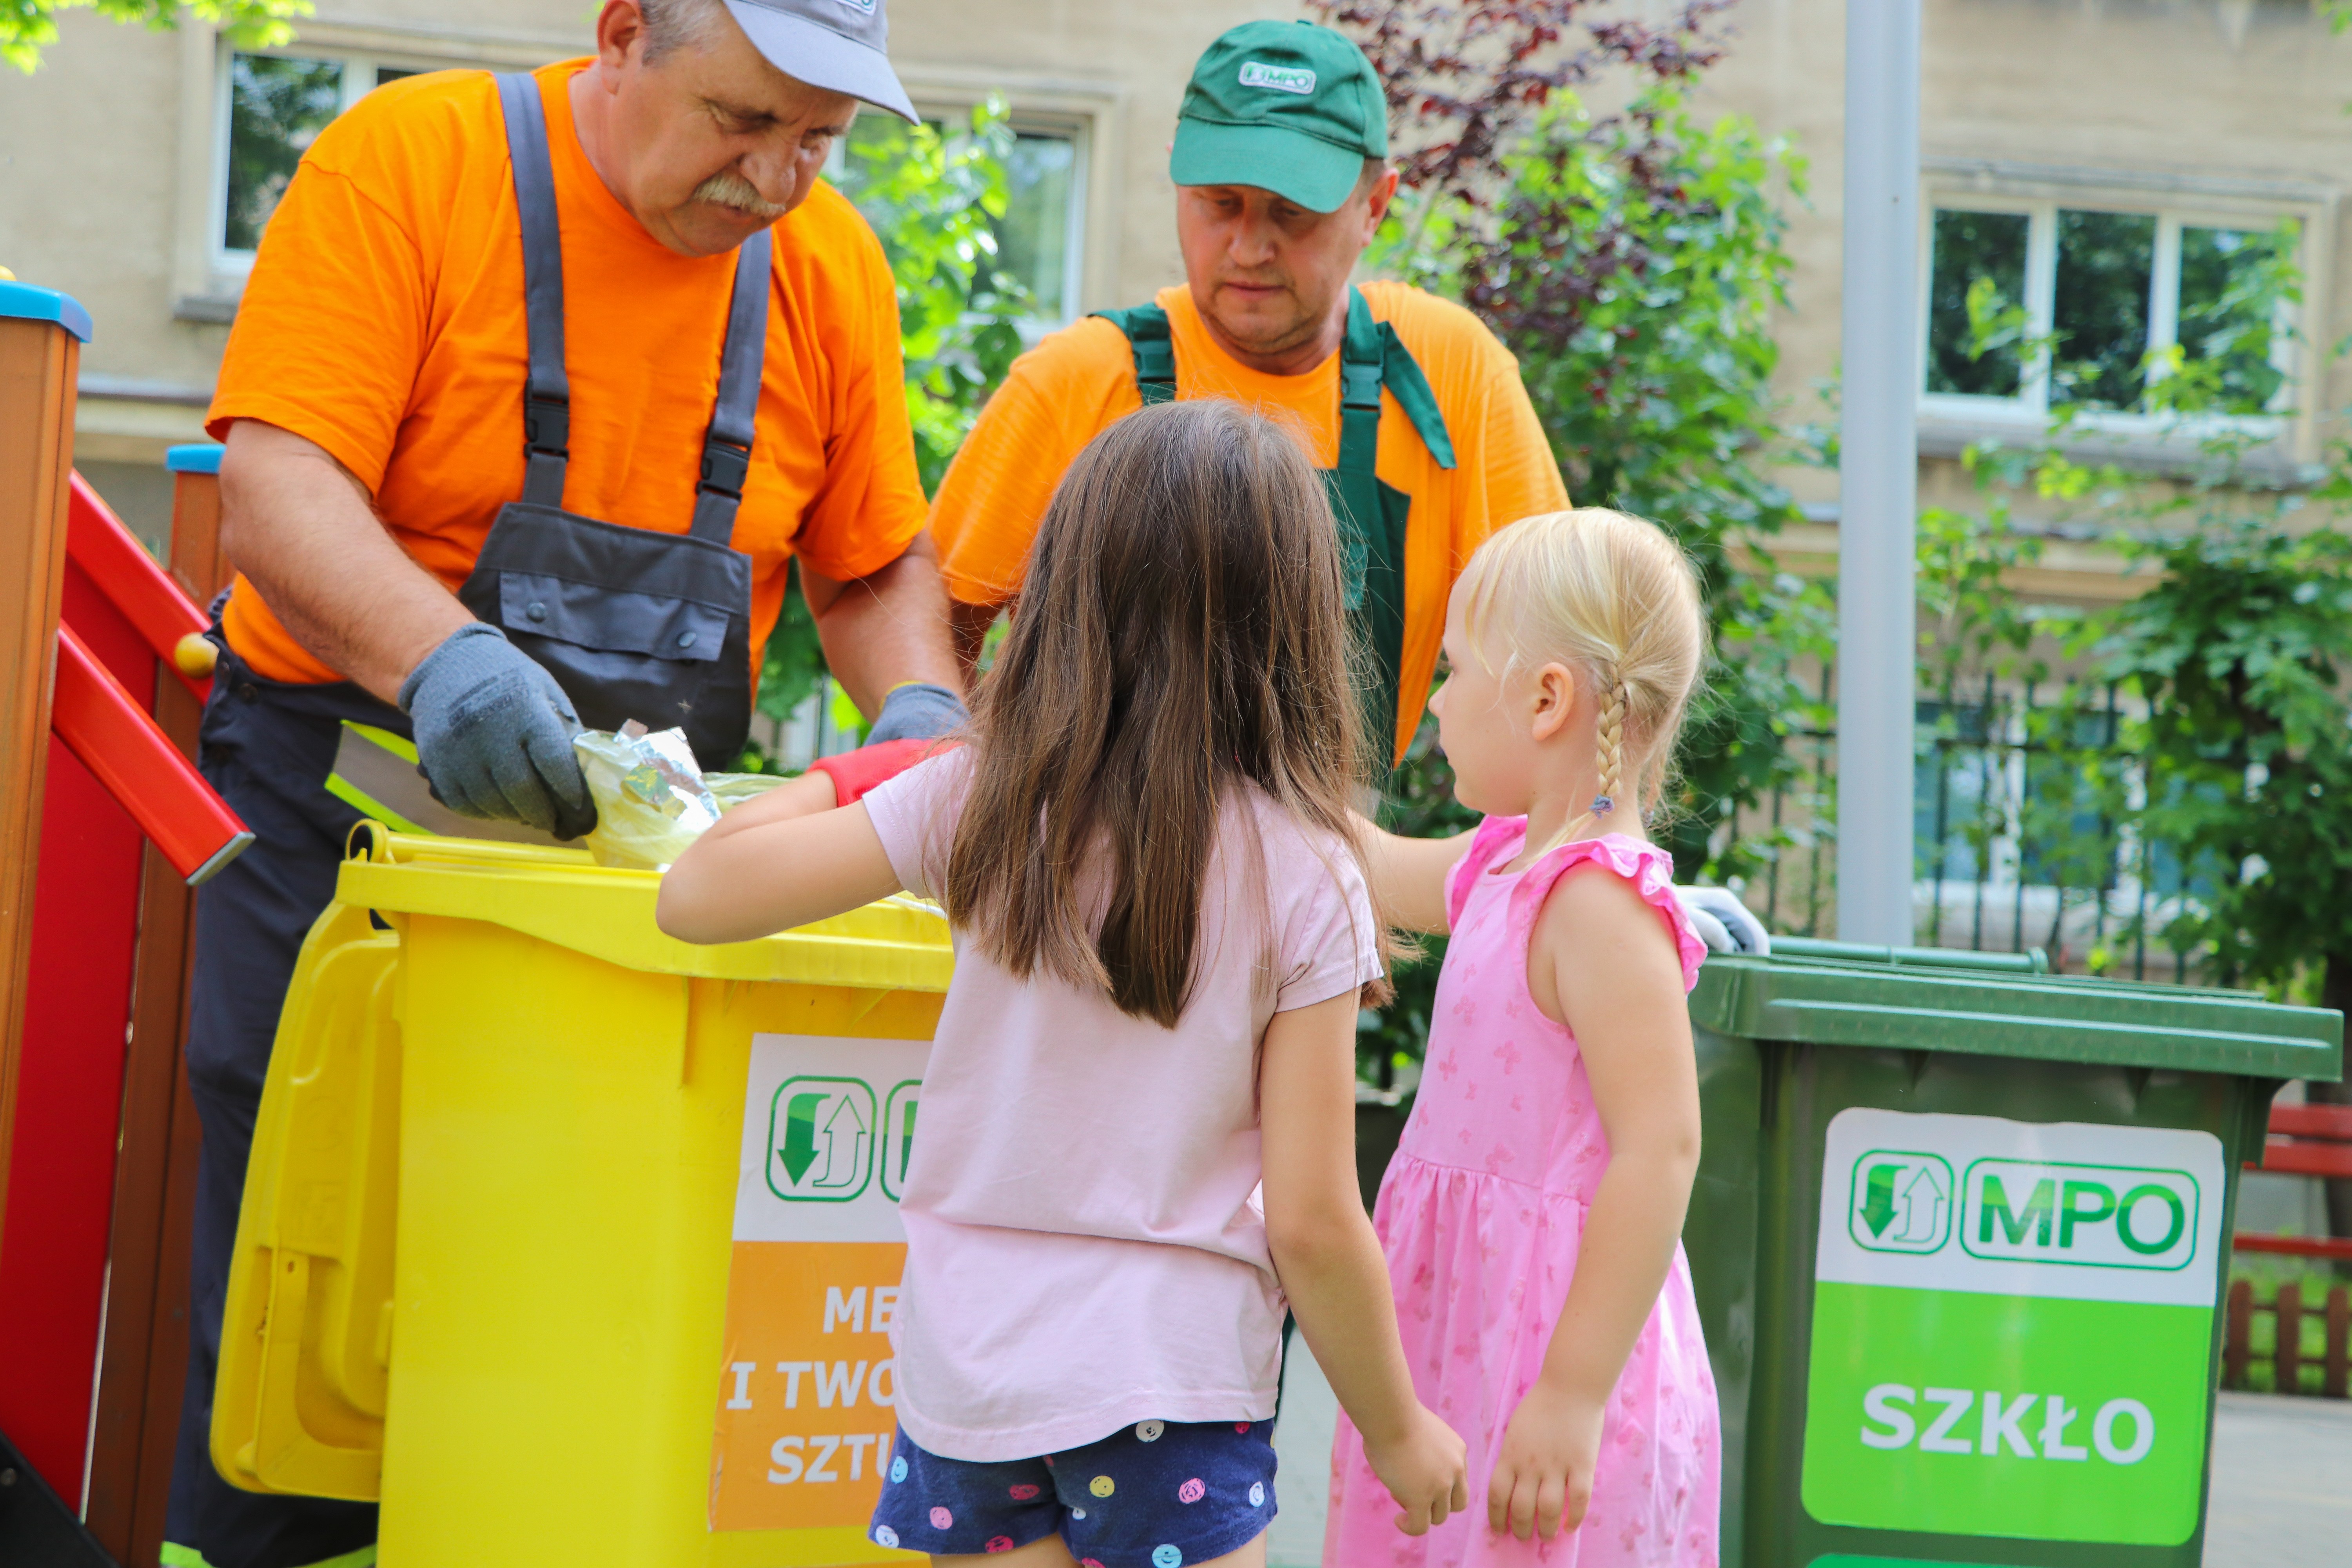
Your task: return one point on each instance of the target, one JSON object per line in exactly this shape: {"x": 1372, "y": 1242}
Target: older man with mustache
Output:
{"x": 539, "y": 386}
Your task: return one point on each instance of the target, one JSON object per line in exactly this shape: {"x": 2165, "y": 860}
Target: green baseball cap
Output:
{"x": 1289, "y": 107}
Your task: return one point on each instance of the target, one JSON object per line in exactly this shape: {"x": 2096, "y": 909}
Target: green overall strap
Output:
{"x": 1371, "y": 515}
{"x": 1401, "y": 373}
{"x": 1372, "y": 524}
{"x": 1352, "y": 482}
{"x": 1145, "y": 327}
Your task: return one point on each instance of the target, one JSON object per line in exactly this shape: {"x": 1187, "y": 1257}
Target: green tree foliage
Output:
{"x": 1631, "y": 263}
{"x": 933, "y": 192}
{"x": 1631, "y": 260}
{"x": 2087, "y": 806}
{"x": 2228, "y": 653}
{"x": 1636, "y": 263}
{"x": 2240, "y": 652}
{"x": 28, "y": 26}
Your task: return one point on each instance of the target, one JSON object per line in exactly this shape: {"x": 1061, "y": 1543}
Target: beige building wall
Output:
{"x": 108, "y": 166}
{"x": 109, "y": 158}
{"x": 2226, "y": 108}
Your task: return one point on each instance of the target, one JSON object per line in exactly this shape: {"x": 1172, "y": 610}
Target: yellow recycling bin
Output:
{"x": 570, "y": 1243}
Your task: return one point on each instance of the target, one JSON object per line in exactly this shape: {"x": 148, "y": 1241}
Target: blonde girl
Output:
{"x": 1531, "y": 1219}
{"x": 1162, "y": 935}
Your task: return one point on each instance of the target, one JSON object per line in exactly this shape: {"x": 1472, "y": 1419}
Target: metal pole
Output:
{"x": 1878, "y": 474}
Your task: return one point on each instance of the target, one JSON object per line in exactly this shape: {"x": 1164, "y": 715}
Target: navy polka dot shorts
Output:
{"x": 1156, "y": 1495}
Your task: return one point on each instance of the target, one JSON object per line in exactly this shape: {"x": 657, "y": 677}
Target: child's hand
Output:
{"x": 1543, "y": 1474}
{"x": 1426, "y": 1470}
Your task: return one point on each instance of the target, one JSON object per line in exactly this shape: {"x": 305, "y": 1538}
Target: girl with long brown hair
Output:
{"x": 1138, "y": 1122}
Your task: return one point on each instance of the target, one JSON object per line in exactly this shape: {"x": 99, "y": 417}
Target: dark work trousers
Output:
{"x": 268, "y": 748}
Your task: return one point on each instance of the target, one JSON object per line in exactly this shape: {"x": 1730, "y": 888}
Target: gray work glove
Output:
{"x": 1723, "y": 922}
{"x": 494, "y": 734}
{"x": 919, "y": 712}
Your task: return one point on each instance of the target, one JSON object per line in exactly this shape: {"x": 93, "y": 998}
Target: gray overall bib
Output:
{"x": 632, "y": 623}
{"x": 1371, "y": 512}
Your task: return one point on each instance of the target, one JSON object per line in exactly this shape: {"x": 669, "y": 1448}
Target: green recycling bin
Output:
{"x": 1960, "y": 1236}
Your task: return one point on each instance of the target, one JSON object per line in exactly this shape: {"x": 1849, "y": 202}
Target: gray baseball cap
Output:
{"x": 837, "y": 45}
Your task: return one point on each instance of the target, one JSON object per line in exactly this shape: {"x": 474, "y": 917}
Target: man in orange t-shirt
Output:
{"x": 1280, "y": 166}
{"x": 539, "y": 386}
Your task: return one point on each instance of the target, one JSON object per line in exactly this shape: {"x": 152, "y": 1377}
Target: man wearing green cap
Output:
{"x": 1411, "y": 409}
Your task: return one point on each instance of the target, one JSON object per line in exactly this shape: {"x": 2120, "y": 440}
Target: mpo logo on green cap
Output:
{"x": 1281, "y": 79}
{"x": 1287, "y": 106}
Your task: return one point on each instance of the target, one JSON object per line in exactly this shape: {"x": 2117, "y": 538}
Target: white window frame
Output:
{"x": 2031, "y": 407}
{"x": 359, "y": 79}
{"x": 207, "y": 278}
{"x": 1079, "y": 129}
{"x": 1095, "y": 113}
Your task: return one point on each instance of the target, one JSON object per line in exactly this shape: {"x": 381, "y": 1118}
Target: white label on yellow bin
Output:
{"x": 805, "y": 1382}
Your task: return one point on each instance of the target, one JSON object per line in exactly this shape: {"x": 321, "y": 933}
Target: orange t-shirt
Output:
{"x": 1080, "y": 381}
{"x": 384, "y": 321}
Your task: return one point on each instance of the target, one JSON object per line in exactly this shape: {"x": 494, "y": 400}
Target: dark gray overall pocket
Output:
{"x": 631, "y": 623}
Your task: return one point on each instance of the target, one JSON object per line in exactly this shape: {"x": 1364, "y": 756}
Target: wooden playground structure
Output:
{"x": 102, "y": 838}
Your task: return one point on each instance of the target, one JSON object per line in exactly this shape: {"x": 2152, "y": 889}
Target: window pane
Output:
{"x": 1970, "y": 246}
{"x": 2066, "y": 840}
{"x": 1032, "y": 239}
{"x": 2104, "y": 264}
{"x": 2232, "y": 285}
{"x": 275, "y": 108}
{"x": 1952, "y": 824}
{"x": 393, "y": 73}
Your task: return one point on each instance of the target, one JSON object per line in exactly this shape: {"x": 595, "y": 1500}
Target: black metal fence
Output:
{"x": 2014, "y": 847}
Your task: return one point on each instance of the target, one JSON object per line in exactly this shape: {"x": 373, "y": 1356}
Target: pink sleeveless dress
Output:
{"x": 1481, "y": 1216}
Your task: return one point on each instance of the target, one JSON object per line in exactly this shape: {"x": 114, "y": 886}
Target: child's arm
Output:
{"x": 1407, "y": 875}
{"x": 769, "y": 864}
{"x": 1329, "y": 1261}
{"x": 1602, "y": 961}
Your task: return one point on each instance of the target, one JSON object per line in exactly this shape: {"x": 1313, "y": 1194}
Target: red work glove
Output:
{"x": 855, "y": 772}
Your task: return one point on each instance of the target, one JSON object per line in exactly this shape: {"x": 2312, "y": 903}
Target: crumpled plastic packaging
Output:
{"x": 652, "y": 798}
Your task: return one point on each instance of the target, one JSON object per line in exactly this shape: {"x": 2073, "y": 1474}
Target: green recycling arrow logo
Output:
{"x": 899, "y": 1136}
{"x": 1901, "y": 1201}
{"x": 821, "y": 1140}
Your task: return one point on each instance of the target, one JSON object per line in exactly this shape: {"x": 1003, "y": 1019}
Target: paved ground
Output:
{"x": 2282, "y": 1478}
{"x": 2282, "y": 1483}
{"x": 1302, "y": 1448}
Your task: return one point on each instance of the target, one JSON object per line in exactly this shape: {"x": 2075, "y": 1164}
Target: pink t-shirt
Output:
{"x": 1085, "y": 1244}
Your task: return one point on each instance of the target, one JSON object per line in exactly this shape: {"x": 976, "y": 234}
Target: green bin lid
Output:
{"x": 2000, "y": 1004}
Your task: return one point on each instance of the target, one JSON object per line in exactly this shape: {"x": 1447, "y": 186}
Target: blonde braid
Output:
{"x": 1611, "y": 597}
{"x": 1611, "y": 735}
